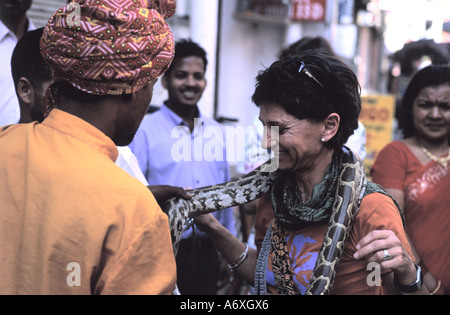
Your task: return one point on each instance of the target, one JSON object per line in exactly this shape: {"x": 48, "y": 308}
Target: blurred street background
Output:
{"x": 384, "y": 41}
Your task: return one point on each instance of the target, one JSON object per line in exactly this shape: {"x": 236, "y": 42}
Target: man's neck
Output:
{"x": 187, "y": 113}
{"x": 93, "y": 113}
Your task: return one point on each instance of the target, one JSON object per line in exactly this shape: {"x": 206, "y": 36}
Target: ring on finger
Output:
{"x": 386, "y": 256}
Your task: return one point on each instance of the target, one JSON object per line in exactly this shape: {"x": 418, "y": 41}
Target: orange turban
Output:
{"x": 115, "y": 47}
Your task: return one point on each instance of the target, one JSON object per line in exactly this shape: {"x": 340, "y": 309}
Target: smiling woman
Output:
{"x": 314, "y": 100}
{"x": 417, "y": 173}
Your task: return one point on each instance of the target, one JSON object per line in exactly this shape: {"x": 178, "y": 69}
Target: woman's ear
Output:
{"x": 331, "y": 126}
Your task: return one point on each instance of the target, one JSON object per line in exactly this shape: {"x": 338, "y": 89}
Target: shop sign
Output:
{"x": 377, "y": 116}
{"x": 272, "y": 8}
{"x": 308, "y": 10}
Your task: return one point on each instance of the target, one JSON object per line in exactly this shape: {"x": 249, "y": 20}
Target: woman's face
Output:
{"x": 431, "y": 113}
{"x": 299, "y": 140}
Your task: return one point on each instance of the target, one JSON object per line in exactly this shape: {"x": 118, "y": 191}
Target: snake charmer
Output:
{"x": 72, "y": 222}
{"x": 416, "y": 171}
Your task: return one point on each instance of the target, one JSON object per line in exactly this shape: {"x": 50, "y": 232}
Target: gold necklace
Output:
{"x": 441, "y": 160}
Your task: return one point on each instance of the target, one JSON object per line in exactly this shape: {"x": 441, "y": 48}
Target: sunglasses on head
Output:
{"x": 305, "y": 71}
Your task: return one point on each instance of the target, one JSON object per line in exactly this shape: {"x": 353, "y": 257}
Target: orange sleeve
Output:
{"x": 378, "y": 212}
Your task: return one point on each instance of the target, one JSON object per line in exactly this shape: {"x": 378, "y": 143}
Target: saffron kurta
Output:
{"x": 72, "y": 222}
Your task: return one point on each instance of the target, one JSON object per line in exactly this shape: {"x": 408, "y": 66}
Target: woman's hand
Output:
{"x": 203, "y": 222}
{"x": 384, "y": 248}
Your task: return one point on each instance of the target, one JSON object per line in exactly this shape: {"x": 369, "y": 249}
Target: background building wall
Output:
{"x": 42, "y": 10}
{"x": 239, "y": 48}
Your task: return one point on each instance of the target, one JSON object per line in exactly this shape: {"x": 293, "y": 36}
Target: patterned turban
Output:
{"x": 112, "y": 47}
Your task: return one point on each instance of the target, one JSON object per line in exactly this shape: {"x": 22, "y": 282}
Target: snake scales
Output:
{"x": 216, "y": 197}
{"x": 257, "y": 183}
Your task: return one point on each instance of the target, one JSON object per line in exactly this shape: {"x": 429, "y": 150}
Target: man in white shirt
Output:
{"x": 13, "y": 24}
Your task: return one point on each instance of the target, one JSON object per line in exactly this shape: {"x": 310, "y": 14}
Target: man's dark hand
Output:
{"x": 163, "y": 193}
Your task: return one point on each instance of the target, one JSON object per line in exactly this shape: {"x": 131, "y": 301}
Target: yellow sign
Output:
{"x": 377, "y": 116}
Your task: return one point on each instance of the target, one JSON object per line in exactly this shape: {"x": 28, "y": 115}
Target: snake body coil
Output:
{"x": 216, "y": 197}
{"x": 350, "y": 191}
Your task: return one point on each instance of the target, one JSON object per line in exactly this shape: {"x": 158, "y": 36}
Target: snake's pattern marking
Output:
{"x": 216, "y": 197}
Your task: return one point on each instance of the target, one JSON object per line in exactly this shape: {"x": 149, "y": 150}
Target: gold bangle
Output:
{"x": 437, "y": 288}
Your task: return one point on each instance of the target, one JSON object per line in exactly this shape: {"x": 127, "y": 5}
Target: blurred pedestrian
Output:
{"x": 31, "y": 76}
{"x": 416, "y": 171}
{"x": 13, "y": 24}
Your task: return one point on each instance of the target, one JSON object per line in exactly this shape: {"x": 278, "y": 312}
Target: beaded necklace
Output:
{"x": 441, "y": 160}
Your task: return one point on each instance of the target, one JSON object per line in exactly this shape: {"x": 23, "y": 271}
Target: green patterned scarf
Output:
{"x": 290, "y": 210}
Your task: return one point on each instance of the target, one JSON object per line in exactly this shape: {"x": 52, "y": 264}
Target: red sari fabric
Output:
{"x": 427, "y": 204}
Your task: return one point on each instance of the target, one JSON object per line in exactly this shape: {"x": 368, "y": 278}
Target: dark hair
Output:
{"x": 26, "y": 60}
{"x": 428, "y": 77}
{"x": 307, "y": 43}
{"x": 416, "y": 50}
{"x": 302, "y": 97}
{"x": 187, "y": 48}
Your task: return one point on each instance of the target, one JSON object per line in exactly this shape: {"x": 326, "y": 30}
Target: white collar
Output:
{"x": 4, "y": 31}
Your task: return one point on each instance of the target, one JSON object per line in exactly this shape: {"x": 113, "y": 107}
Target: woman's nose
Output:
{"x": 435, "y": 112}
{"x": 271, "y": 138}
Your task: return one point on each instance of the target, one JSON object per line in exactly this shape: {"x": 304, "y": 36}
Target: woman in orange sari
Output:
{"x": 416, "y": 171}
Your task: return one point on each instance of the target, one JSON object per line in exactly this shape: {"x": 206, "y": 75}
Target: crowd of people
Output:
{"x": 85, "y": 169}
